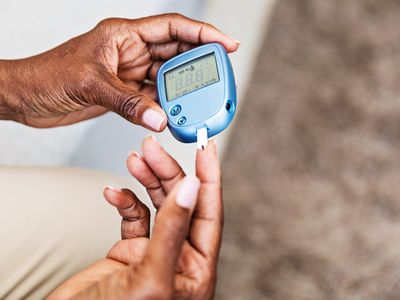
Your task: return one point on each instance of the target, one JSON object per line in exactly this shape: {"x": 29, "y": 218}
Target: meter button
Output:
{"x": 176, "y": 110}
{"x": 182, "y": 121}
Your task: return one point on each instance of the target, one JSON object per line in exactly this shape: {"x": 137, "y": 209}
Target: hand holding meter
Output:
{"x": 197, "y": 91}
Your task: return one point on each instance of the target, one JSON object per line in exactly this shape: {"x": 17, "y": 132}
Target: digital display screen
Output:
{"x": 191, "y": 76}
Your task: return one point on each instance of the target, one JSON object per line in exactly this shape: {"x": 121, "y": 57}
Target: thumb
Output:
{"x": 172, "y": 226}
{"x": 132, "y": 105}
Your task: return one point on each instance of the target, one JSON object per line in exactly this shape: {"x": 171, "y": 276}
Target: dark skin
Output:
{"x": 180, "y": 260}
{"x": 113, "y": 68}
{"x": 110, "y": 68}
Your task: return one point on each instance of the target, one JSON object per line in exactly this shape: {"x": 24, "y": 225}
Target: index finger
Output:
{"x": 172, "y": 27}
{"x": 207, "y": 223}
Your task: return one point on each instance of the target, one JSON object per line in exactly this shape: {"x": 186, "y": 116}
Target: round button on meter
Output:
{"x": 202, "y": 81}
{"x": 181, "y": 121}
{"x": 175, "y": 110}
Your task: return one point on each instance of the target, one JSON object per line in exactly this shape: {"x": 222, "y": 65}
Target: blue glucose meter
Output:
{"x": 197, "y": 91}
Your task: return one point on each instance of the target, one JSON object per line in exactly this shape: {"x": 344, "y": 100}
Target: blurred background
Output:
{"x": 312, "y": 169}
{"x": 311, "y": 163}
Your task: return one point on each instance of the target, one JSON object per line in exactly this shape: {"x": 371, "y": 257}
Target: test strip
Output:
{"x": 202, "y": 138}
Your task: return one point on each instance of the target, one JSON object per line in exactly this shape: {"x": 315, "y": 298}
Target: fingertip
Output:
{"x": 158, "y": 159}
{"x": 209, "y": 33}
{"x": 155, "y": 120}
{"x": 232, "y": 46}
{"x": 208, "y": 156}
{"x": 207, "y": 164}
{"x": 106, "y": 192}
{"x": 111, "y": 189}
{"x": 110, "y": 193}
{"x": 211, "y": 148}
{"x": 163, "y": 124}
{"x": 132, "y": 158}
{"x": 151, "y": 137}
{"x": 150, "y": 144}
{"x": 134, "y": 154}
{"x": 136, "y": 164}
{"x": 118, "y": 198}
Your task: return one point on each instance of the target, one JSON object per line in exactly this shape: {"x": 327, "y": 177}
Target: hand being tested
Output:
{"x": 180, "y": 260}
{"x": 112, "y": 67}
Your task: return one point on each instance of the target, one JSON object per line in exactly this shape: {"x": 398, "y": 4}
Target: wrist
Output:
{"x": 8, "y": 89}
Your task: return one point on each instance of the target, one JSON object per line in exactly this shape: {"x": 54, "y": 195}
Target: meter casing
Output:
{"x": 213, "y": 106}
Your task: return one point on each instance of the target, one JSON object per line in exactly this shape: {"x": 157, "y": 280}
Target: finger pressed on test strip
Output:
{"x": 202, "y": 138}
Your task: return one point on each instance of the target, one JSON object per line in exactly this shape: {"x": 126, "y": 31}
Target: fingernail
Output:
{"x": 134, "y": 153}
{"x": 187, "y": 194}
{"x": 109, "y": 187}
{"x": 152, "y": 136}
{"x": 237, "y": 41}
{"x": 153, "y": 119}
{"x": 214, "y": 141}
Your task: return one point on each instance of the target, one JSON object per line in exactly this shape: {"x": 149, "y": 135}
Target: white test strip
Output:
{"x": 202, "y": 138}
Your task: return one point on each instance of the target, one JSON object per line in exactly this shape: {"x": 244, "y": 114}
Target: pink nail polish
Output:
{"x": 188, "y": 191}
{"x": 153, "y": 119}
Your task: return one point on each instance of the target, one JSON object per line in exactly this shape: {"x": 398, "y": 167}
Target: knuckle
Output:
{"x": 181, "y": 18}
{"x": 132, "y": 230}
{"x": 108, "y": 23}
{"x": 128, "y": 107}
{"x": 114, "y": 29}
{"x": 175, "y": 15}
{"x": 172, "y": 17}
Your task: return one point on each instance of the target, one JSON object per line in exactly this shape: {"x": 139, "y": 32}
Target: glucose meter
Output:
{"x": 197, "y": 91}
